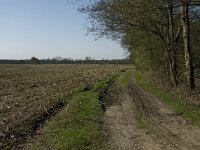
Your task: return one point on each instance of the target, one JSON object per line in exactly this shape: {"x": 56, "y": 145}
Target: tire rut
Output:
{"x": 165, "y": 129}
{"x": 120, "y": 125}
{"x": 164, "y": 123}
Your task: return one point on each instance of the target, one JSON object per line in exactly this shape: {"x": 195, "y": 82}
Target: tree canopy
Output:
{"x": 161, "y": 36}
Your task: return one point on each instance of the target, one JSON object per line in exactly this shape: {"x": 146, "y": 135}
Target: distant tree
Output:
{"x": 35, "y": 60}
{"x": 58, "y": 58}
{"x": 87, "y": 58}
{"x": 21, "y": 61}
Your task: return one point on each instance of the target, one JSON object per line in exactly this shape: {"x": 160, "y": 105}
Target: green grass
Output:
{"x": 123, "y": 80}
{"x": 140, "y": 122}
{"x": 102, "y": 84}
{"x": 125, "y": 77}
{"x": 171, "y": 99}
{"x": 78, "y": 126}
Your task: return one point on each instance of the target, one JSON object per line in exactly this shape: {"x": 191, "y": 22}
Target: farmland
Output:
{"x": 29, "y": 91}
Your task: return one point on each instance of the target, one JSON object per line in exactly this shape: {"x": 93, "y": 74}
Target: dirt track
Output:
{"x": 165, "y": 129}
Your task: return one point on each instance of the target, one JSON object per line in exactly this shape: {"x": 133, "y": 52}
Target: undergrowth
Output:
{"x": 189, "y": 112}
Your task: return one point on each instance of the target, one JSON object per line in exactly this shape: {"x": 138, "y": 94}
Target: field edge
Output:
{"x": 79, "y": 124}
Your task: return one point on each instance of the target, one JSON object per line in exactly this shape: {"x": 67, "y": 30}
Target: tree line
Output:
{"x": 162, "y": 36}
{"x": 87, "y": 60}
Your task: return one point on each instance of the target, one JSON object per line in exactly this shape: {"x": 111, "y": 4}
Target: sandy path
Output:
{"x": 165, "y": 129}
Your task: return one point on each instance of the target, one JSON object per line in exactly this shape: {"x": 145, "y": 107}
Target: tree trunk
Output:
{"x": 187, "y": 49}
{"x": 172, "y": 69}
{"x": 172, "y": 52}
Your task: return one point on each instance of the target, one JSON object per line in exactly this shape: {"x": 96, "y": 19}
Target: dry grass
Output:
{"x": 27, "y": 91}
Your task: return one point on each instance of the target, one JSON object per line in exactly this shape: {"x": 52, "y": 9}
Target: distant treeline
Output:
{"x": 64, "y": 61}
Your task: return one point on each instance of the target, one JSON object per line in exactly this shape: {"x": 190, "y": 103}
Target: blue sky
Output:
{"x": 49, "y": 28}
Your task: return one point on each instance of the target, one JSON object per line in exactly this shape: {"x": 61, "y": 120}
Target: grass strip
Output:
{"x": 103, "y": 84}
{"x": 78, "y": 126}
{"x": 189, "y": 112}
{"x": 139, "y": 117}
{"x": 124, "y": 78}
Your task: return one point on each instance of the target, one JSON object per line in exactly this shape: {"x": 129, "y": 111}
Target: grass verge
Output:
{"x": 189, "y": 112}
{"x": 124, "y": 78}
{"x": 78, "y": 126}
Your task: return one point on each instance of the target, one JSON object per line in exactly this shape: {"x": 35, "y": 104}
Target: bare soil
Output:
{"x": 30, "y": 94}
{"x": 165, "y": 129}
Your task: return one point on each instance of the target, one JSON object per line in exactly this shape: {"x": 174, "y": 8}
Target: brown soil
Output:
{"x": 165, "y": 129}
{"x": 30, "y": 94}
